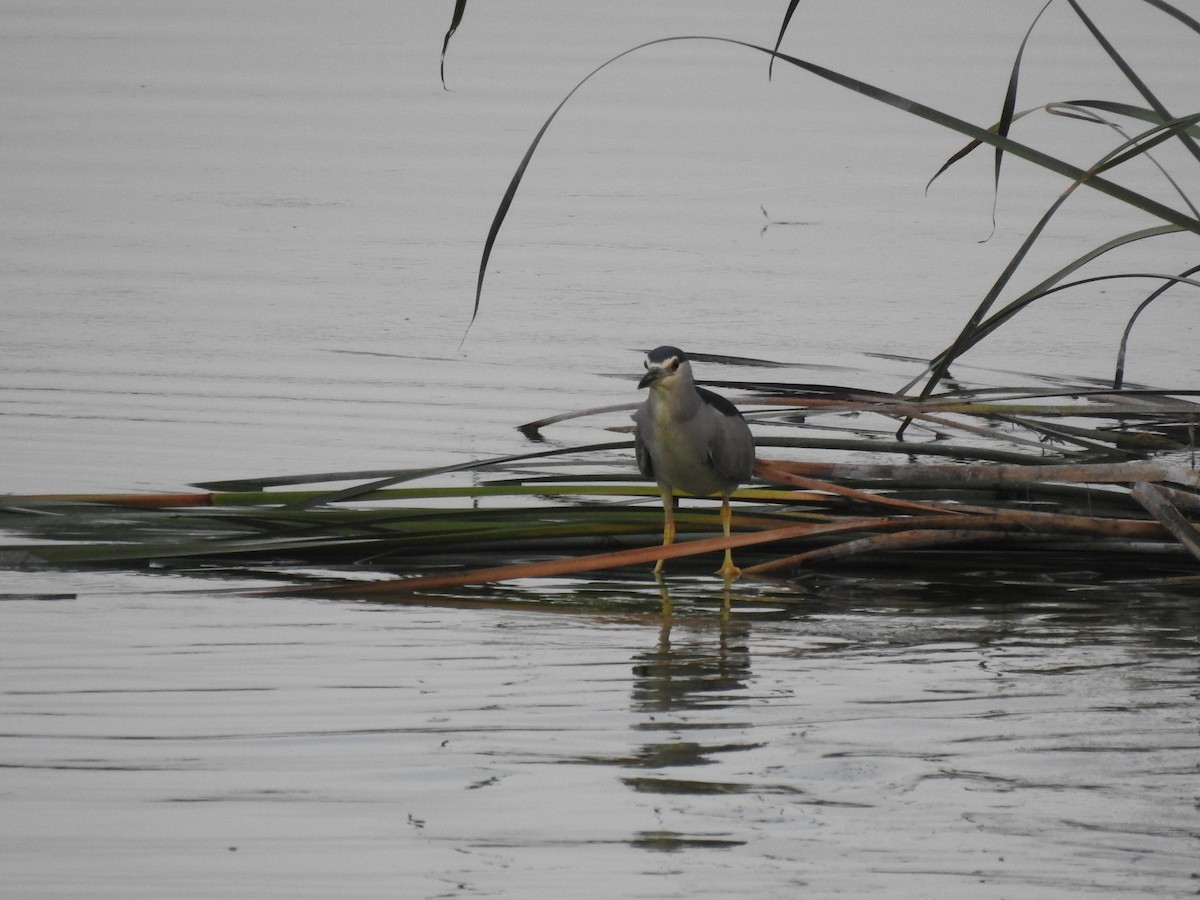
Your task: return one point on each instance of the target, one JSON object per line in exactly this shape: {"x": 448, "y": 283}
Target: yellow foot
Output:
{"x": 729, "y": 571}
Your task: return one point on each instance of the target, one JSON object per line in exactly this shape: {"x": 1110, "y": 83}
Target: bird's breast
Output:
{"x": 680, "y": 453}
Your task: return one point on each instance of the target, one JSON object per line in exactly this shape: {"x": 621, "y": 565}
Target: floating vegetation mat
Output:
{"x": 1049, "y": 477}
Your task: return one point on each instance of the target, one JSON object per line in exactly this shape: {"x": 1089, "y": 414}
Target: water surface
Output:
{"x": 846, "y": 746}
{"x": 242, "y": 241}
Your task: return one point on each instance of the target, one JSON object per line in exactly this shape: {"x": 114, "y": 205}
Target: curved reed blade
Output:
{"x": 970, "y": 147}
{"x": 787, "y": 18}
{"x": 460, "y": 7}
{"x": 360, "y": 490}
{"x": 1009, "y": 105}
{"x": 1176, "y": 12}
{"x": 533, "y": 430}
{"x": 1119, "y": 374}
{"x": 1080, "y": 109}
{"x": 1128, "y": 110}
{"x": 397, "y": 476}
{"x": 1030, "y": 154}
{"x": 1142, "y": 143}
{"x": 993, "y": 322}
{"x": 939, "y": 367}
{"x": 1082, "y": 113}
{"x": 974, "y": 331}
{"x": 511, "y": 191}
{"x": 1132, "y": 76}
{"x": 905, "y": 104}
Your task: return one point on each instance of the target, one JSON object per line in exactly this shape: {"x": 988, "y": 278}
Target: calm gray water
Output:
{"x": 1038, "y": 744}
{"x": 241, "y": 240}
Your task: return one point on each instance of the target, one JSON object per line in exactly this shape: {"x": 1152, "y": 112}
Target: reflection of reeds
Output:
{"x": 1087, "y": 473}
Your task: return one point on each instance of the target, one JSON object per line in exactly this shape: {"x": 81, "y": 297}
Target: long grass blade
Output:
{"x": 1132, "y": 76}
{"x": 953, "y": 123}
{"x": 396, "y": 476}
{"x": 1078, "y": 109}
{"x": 1077, "y": 112}
{"x": 1179, "y": 14}
{"x": 533, "y": 430}
{"x": 972, "y": 333}
{"x": 787, "y": 18}
{"x": 460, "y": 6}
{"x": 1010, "y": 104}
{"x": 1140, "y": 144}
{"x": 1128, "y": 110}
{"x": 511, "y": 191}
{"x": 1119, "y": 375}
{"x": 993, "y": 322}
{"x": 971, "y": 146}
{"x": 905, "y": 104}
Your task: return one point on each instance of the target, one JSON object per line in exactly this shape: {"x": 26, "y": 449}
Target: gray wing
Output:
{"x": 731, "y": 449}
{"x": 641, "y": 422}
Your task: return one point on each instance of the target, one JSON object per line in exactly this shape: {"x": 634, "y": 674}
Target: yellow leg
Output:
{"x": 668, "y": 502}
{"x": 668, "y": 608}
{"x": 728, "y": 570}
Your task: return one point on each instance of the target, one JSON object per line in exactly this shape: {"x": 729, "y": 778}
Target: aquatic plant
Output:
{"x": 1162, "y": 125}
{"x": 1095, "y": 475}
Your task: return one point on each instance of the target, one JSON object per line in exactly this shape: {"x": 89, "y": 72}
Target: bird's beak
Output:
{"x": 652, "y": 375}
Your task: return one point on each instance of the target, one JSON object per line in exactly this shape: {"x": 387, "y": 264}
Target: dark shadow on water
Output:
{"x": 998, "y": 599}
{"x": 673, "y": 842}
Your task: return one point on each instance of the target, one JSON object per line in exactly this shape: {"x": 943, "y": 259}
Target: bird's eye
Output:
{"x": 646, "y": 364}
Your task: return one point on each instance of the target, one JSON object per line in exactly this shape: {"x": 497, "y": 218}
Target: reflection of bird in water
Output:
{"x": 690, "y": 439}
{"x": 693, "y": 673}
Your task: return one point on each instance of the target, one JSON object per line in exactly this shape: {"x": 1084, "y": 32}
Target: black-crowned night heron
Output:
{"x": 690, "y": 439}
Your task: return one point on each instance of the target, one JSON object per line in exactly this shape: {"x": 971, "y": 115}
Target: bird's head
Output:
{"x": 666, "y": 367}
